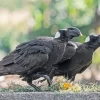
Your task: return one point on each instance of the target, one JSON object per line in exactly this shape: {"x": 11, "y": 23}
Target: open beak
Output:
{"x": 81, "y": 34}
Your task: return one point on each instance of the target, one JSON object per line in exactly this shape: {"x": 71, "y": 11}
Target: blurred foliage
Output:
{"x": 22, "y": 20}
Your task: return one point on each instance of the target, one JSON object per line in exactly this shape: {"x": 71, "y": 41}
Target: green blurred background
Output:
{"x": 23, "y": 20}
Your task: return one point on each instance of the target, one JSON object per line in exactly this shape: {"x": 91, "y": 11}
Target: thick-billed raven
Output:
{"x": 29, "y": 57}
{"x": 81, "y": 60}
{"x": 69, "y": 52}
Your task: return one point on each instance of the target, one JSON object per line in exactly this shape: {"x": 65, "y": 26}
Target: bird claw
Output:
{"x": 48, "y": 80}
{"x": 41, "y": 80}
{"x": 46, "y": 77}
{"x": 35, "y": 87}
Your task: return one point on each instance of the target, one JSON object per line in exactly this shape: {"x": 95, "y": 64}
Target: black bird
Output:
{"x": 29, "y": 57}
{"x": 81, "y": 59}
{"x": 69, "y": 52}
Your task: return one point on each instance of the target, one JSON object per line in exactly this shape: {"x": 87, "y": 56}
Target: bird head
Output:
{"x": 93, "y": 41}
{"x": 67, "y": 34}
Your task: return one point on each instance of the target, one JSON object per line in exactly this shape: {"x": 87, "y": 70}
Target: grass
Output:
{"x": 59, "y": 87}
{"x": 91, "y": 87}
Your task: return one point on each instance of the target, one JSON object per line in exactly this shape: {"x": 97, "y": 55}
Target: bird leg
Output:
{"x": 73, "y": 78}
{"x": 46, "y": 77}
{"x": 29, "y": 81}
{"x": 51, "y": 74}
{"x": 70, "y": 78}
{"x": 35, "y": 87}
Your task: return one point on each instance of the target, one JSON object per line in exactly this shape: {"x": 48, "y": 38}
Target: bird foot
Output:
{"x": 35, "y": 87}
{"x": 46, "y": 77}
{"x": 40, "y": 81}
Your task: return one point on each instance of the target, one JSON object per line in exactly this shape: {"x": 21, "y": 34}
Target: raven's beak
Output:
{"x": 81, "y": 34}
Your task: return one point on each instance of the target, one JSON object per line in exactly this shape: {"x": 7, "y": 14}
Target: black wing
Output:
{"x": 29, "y": 55}
{"x": 85, "y": 67}
{"x": 70, "y": 50}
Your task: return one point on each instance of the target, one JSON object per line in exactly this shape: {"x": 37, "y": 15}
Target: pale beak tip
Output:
{"x": 81, "y": 34}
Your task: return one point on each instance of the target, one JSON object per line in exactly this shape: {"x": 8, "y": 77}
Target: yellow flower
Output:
{"x": 67, "y": 85}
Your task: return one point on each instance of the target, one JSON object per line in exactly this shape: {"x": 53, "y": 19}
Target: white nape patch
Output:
{"x": 63, "y": 29}
{"x": 57, "y": 35}
{"x": 94, "y": 34}
{"x": 87, "y": 39}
